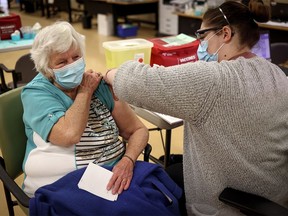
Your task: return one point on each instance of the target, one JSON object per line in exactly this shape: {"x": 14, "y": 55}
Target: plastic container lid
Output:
{"x": 128, "y": 44}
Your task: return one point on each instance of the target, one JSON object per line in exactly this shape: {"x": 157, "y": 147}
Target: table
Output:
{"x": 281, "y": 26}
{"x": 9, "y": 45}
{"x": 121, "y": 8}
{"x": 189, "y": 23}
{"x": 161, "y": 124}
{"x": 278, "y": 31}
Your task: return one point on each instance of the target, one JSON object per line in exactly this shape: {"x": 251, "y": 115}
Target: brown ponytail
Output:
{"x": 260, "y": 12}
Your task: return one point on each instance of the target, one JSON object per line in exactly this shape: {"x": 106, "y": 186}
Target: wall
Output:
{"x": 4, "y": 6}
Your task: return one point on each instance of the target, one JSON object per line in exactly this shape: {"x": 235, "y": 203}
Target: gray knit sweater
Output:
{"x": 235, "y": 130}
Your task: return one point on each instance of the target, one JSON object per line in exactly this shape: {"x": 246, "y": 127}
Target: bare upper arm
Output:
{"x": 126, "y": 119}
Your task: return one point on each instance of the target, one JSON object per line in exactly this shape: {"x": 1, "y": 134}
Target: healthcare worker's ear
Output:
{"x": 227, "y": 33}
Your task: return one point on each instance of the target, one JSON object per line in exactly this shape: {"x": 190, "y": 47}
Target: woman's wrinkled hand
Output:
{"x": 90, "y": 81}
{"x": 122, "y": 176}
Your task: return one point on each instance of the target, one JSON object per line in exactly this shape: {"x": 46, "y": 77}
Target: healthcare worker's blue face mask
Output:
{"x": 203, "y": 53}
{"x": 70, "y": 76}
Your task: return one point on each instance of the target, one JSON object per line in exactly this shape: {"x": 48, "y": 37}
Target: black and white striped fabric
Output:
{"x": 100, "y": 141}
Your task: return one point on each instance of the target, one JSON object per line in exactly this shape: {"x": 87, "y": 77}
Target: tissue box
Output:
{"x": 8, "y": 25}
{"x": 117, "y": 52}
{"x": 127, "y": 30}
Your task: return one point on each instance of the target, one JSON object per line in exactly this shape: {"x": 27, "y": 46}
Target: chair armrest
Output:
{"x": 251, "y": 204}
{"x": 13, "y": 187}
{"x": 3, "y": 86}
{"x": 284, "y": 69}
{"x": 14, "y": 76}
{"x": 147, "y": 152}
{"x": 3, "y": 67}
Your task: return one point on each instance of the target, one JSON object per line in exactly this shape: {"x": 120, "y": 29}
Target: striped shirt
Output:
{"x": 100, "y": 141}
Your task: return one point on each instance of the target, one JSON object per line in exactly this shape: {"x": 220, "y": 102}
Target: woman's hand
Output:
{"x": 90, "y": 81}
{"x": 69, "y": 128}
{"x": 134, "y": 131}
{"x": 122, "y": 176}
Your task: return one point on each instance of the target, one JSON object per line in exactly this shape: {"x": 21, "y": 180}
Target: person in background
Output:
{"x": 234, "y": 106}
{"x": 71, "y": 118}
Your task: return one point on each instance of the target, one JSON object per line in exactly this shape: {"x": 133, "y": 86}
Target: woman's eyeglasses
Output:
{"x": 199, "y": 33}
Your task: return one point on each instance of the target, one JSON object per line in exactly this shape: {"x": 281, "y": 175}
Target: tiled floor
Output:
{"x": 95, "y": 59}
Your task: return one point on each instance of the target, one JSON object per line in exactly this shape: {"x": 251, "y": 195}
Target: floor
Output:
{"x": 95, "y": 59}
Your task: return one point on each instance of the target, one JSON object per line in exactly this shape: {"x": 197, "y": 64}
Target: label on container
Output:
{"x": 139, "y": 57}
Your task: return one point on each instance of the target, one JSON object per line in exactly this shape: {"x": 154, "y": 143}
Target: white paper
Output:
{"x": 95, "y": 180}
{"x": 169, "y": 119}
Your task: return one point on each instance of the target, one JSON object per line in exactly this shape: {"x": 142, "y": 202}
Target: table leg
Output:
{"x": 157, "y": 19}
{"x": 42, "y": 6}
{"x": 115, "y": 23}
{"x": 47, "y": 9}
{"x": 167, "y": 148}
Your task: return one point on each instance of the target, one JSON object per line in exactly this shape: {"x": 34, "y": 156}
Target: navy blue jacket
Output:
{"x": 147, "y": 195}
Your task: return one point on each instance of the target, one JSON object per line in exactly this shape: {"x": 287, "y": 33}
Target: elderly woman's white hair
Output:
{"x": 56, "y": 38}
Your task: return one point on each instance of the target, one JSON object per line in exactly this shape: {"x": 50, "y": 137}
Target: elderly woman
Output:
{"x": 71, "y": 118}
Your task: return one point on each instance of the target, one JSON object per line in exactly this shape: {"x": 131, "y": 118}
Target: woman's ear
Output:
{"x": 227, "y": 33}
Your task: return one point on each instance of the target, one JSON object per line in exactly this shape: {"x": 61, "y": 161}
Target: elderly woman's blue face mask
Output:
{"x": 70, "y": 76}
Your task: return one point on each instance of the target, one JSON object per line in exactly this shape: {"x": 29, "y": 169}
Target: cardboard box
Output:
{"x": 117, "y": 52}
{"x": 174, "y": 50}
{"x": 105, "y": 24}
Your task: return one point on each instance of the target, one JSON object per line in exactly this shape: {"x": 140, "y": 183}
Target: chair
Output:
{"x": 279, "y": 52}
{"x": 31, "y": 6}
{"x": 251, "y": 204}
{"x": 66, "y": 6}
{"x": 23, "y": 72}
{"x": 13, "y": 144}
